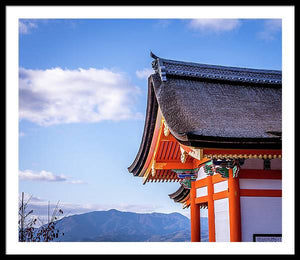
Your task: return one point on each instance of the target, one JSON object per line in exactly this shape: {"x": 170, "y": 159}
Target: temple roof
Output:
{"x": 206, "y": 103}
{"x": 170, "y": 68}
{"x": 181, "y": 194}
{"x": 209, "y": 106}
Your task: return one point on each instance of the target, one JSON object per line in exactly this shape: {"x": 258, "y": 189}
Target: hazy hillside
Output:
{"x": 114, "y": 225}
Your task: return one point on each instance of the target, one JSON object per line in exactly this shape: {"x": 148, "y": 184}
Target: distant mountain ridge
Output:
{"x": 118, "y": 226}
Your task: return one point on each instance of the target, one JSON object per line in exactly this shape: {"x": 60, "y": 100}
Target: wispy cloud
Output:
{"x": 271, "y": 29}
{"x": 40, "y": 207}
{"x": 76, "y": 182}
{"x": 144, "y": 73}
{"x": 57, "y": 96}
{"x": 47, "y": 176}
{"x": 25, "y": 26}
{"x": 30, "y": 198}
{"x": 214, "y": 25}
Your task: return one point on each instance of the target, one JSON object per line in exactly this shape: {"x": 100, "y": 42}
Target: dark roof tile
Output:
{"x": 213, "y": 106}
{"x": 170, "y": 68}
{"x": 219, "y": 110}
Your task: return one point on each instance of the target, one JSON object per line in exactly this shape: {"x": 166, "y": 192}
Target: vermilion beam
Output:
{"x": 201, "y": 199}
{"x": 173, "y": 166}
{"x": 200, "y": 183}
{"x": 260, "y": 193}
{"x": 220, "y": 195}
{"x": 260, "y": 174}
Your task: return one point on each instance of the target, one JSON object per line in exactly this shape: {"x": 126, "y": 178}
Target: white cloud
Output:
{"x": 144, "y": 73}
{"x": 40, "y": 207}
{"x": 25, "y": 26}
{"x": 270, "y": 30}
{"x": 57, "y": 96}
{"x": 29, "y": 198}
{"x": 30, "y": 175}
{"x": 214, "y": 25}
{"x": 77, "y": 182}
{"x": 40, "y": 176}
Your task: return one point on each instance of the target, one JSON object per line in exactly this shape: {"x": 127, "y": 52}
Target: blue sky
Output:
{"x": 83, "y": 93}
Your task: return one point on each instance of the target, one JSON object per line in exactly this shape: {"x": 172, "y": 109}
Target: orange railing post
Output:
{"x": 234, "y": 208}
{"x": 195, "y": 216}
{"x": 211, "y": 210}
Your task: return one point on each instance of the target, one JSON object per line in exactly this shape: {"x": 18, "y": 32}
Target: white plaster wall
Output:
{"x": 220, "y": 186}
{"x": 257, "y": 164}
{"x": 200, "y": 192}
{"x": 201, "y": 174}
{"x": 260, "y": 184}
{"x": 276, "y": 164}
{"x": 222, "y": 220}
{"x": 260, "y": 215}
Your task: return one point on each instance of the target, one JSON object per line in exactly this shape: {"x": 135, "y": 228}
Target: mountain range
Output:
{"x": 118, "y": 226}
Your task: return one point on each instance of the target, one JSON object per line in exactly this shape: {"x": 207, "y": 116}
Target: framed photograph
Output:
{"x": 267, "y": 237}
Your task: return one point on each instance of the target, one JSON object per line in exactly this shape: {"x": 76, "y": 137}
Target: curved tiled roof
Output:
{"x": 220, "y": 112}
{"x": 217, "y": 106}
{"x": 149, "y": 126}
{"x": 211, "y": 106}
{"x": 180, "y": 194}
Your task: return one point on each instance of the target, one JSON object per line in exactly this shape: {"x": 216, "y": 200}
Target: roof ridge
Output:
{"x": 187, "y": 63}
{"x": 218, "y": 72}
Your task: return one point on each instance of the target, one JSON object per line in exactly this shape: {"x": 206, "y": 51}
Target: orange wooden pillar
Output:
{"x": 195, "y": 216}
{"x": 211, "y": 210}
{"x": 234, "y": 208}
